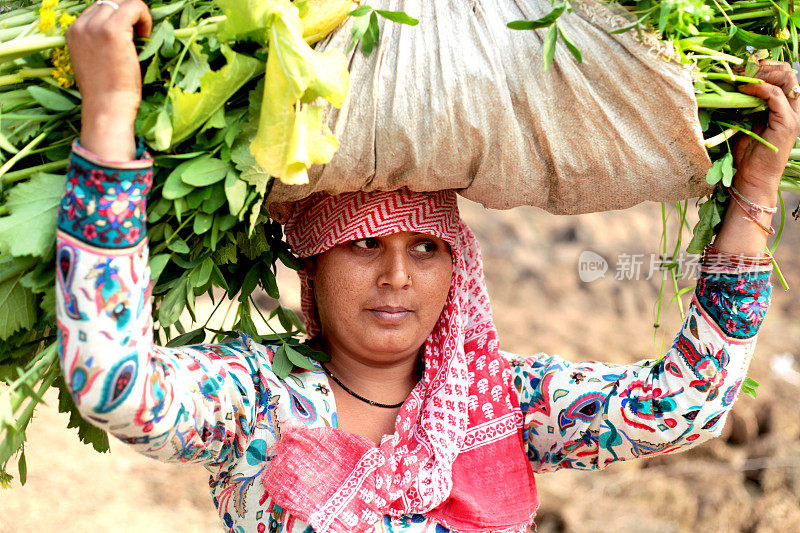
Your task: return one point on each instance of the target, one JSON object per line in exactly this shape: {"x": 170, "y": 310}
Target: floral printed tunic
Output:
{"x": 222, "y": 406}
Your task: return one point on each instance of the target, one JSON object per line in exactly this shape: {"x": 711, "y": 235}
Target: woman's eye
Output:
{"x": 367, "y": 243}
{"x": 425, "y": 247}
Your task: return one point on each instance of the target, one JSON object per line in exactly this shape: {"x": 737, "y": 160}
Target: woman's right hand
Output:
{"x": 107, "y": 72}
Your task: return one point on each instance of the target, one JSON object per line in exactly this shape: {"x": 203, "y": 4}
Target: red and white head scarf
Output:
{"x": 457, "y": 452}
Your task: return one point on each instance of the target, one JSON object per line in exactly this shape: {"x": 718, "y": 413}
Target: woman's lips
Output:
{"x": 389, "y": 314}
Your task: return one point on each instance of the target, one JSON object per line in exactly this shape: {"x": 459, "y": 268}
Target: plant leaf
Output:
{"x": 298, "y": 359}
{"x": 191, "y": 110}
{"x": 178, "y": 246}
{"x": 727, "y": 169}
{"x": 291, "y": 137}
{"x": 22, "y": 466}
{"x": 371, "y": 34}
{"x": 280, "y": 363}
{"x": 757, "y": 40}
{"x": 17, "y": 307}
{"x": 174, "y": 186}
{"x": 570, "y": 45}
{"x": 714, "y": 174}
{"x": 235, "y": 192}
{"x": 360, "y": 10}
{"x": 202, "y": 223}
{"x": 173, "y": 303}
{"x": 704, "y": 229}
{"x": 543, "y": 22}
{"x": 30, "y": 229}
{"x": 204, "y": 171}
{"x": 398, "y": 16}
{"x": 195, "y": 336}
{"x": 549, "y": 46}
{"x": 157, "y": 264}
{"x": 51, "y": 99}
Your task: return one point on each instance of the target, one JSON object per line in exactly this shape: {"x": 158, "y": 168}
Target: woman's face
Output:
{"x": 379, "y": 298}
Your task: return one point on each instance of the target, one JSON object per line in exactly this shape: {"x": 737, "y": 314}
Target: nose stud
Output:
{"x": 409, "y": 278}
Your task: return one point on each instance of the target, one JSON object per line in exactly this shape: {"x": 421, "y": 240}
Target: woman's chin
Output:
{"x": 393, "y": 345}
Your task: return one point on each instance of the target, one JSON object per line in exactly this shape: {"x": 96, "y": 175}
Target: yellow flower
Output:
{"x": 65, "y": 20}
{"x": 49, "y": 4}
{"x": 63, "y": 71}
{"x": 47, "y": 19}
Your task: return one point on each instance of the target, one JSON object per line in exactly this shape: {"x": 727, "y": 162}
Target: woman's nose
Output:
{"x": 395, "y": 271}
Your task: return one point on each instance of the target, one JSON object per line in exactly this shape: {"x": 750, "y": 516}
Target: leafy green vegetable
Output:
{"x": 17, "y": 306}
{"x": 544, "y": 22}
{"x": 216, "y": 87}
{"x": 30, "y": 228}
{"x": 291, "y": 136}
{"x": 366, "y": 28}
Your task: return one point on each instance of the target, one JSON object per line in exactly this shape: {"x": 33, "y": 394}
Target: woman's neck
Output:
{"x": 384, "y": 382}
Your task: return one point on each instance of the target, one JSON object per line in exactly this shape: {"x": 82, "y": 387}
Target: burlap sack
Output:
{"x": 461, "y": 101}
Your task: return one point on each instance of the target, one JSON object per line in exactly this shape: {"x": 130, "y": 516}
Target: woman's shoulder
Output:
{"x": 267, "y": 356}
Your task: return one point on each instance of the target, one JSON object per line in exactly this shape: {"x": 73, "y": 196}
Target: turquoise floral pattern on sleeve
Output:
{"x": 104, "y": 202}
{"x": 736, "y": 302}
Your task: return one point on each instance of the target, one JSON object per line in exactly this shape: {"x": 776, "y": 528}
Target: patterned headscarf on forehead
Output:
{"x": 457, "y": 452}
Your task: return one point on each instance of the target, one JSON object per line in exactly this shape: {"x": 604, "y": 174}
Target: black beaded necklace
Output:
{"x": 351, "y": 393}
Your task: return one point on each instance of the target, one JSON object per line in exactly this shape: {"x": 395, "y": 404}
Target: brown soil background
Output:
{"x": 747, "y": 480}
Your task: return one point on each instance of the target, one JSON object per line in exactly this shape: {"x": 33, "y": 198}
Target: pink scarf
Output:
{"x": 457, "y": 453}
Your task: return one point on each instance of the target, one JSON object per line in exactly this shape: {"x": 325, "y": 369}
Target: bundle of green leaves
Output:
{"x": 721, "y": 43}
{"x": 228, "y": 103}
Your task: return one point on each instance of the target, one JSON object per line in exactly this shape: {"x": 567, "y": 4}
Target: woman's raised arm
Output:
{"x": 190, "y": 404}
{"x": 590, "y": 414}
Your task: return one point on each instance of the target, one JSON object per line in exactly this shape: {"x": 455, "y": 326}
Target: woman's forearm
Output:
{"x": 740, "y": 235}
{"x": 107, "y": 134}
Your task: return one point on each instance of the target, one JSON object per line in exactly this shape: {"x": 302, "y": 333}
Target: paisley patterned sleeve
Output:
{"x": 190, "y": 404}
{"x": 587, "y": 415}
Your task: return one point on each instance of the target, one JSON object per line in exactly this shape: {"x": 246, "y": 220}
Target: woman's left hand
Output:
{"x": 759, "y": 167}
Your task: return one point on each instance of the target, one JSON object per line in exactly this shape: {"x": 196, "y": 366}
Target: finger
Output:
{"x": 144, "y": 25}
{"x": 131, "y": 14}
{"x": 772, "y": 64}
{"x": 781, "y": 115}
{"x": 787, "y": 81}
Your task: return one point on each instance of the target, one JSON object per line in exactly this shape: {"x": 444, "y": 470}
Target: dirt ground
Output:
{"x": 747, "y": 480}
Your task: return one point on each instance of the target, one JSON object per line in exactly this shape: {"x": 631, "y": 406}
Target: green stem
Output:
{"x": 22, "y": 153}
{"x": 789, "y": 186}
{"x": 36, "y": 372}
{"x": 207, "y": 26}
{"x": 213, "y": 311}
{"x": 728, "y": 101}
{"x": 778, "y": 273}
{"x": 19, "y": 175}
{"x": 23, "y": 74}
{"x": 719, "y": 138}
{"x": 751, "y": 134}
{"x": 28, "y": 46}
{"x": 716, "y": 54}
{"x": 780, "y": 226}
{"x": 721, "y": 76}
{"x": 745, "y": 15}
{"x": 7, "y": 34}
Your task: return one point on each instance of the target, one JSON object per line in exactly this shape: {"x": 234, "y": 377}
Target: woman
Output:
{"x": 418, "y": 422}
